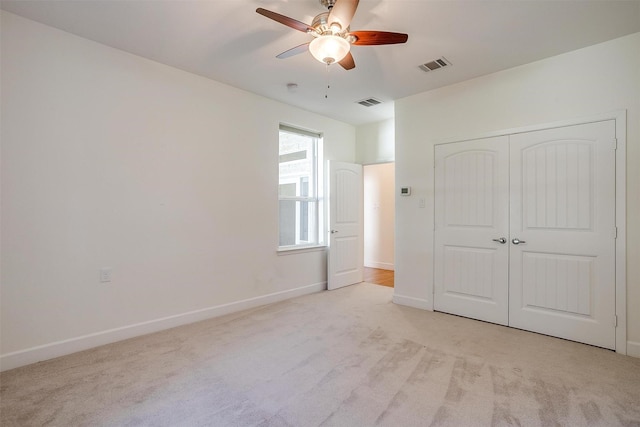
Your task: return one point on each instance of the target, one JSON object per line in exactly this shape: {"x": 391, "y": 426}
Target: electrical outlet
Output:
{"x": 105, "y": 275}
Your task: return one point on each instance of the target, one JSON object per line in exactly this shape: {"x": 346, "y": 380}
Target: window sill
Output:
{"x": 290, "y": 250}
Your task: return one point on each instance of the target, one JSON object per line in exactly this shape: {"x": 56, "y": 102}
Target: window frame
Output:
{"x": 314, "y": 197}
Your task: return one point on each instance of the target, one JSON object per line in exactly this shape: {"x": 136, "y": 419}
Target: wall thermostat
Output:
{"x": 405, "y": 191}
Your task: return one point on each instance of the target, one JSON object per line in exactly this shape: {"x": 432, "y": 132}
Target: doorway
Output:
{"x": 379, "y": 220}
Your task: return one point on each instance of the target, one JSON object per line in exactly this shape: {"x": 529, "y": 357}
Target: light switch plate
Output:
{"x": 105, "y": 275}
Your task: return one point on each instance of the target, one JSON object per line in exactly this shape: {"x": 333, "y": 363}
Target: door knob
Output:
{"x": 334, "y": 231}
{"x": 500, "y": 240}
{"x": 517, "y": 241}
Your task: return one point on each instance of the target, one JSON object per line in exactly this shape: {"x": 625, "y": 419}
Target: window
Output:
{"x": 298, "y": 188}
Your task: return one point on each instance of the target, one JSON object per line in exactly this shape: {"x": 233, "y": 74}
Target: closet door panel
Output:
{"x": 471, "y": 268}
{"x": 562, "y": 274}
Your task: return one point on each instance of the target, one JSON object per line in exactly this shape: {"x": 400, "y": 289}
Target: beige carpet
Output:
{"x": 342, "y": 358}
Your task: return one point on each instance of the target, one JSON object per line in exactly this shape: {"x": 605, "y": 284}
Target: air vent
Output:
{"x": 435, "y": 64}
{"x": 370, "y": 102}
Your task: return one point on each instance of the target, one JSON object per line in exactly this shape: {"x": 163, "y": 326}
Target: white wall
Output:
{"x": 170, "y": 179}
{"x": 375, "y": 142}
{"x": 379, "y": 215}
{"x": 595, "y": 80}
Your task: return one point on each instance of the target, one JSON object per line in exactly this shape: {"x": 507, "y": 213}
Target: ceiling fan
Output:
{"x": 332, "y": 35}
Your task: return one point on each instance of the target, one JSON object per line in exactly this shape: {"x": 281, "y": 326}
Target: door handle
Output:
{"x": 501, "y": 240}
{"x": 517, "y": 241}
{"x": 333, "y": 231}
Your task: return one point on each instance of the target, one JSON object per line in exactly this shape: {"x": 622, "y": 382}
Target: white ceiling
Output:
{"x": 226, "y": 40}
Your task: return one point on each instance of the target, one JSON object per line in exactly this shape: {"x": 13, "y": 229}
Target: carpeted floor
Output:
{"x": 342, "y": 358}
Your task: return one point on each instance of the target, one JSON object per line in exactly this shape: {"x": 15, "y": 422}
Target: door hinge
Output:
{"x": 615, "y": 321}
{"x": 614, "y": 143}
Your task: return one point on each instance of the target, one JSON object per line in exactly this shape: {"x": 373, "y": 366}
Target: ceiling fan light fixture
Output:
{"x": 329, "y": 49}
{"x": 332, "y": 33}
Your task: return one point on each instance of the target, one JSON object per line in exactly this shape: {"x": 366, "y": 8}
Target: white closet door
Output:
{"x": 471, "y": 216}
{"x": 562, "y": 277}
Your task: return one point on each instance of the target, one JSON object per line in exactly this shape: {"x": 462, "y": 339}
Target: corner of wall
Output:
{"x": 420, "y": 303}
{"x": 633, "y": 349}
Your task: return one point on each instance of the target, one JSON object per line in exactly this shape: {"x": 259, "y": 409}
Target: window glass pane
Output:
{"x": 298, "y": 224}
{"x": 287, "y": 189}
{"x": 297, "y": 163}
{"x": 287, "y": 222}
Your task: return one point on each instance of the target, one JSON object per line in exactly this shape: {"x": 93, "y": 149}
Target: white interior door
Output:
{"x": 471, "y": 229}
{"x": 345, "y": 261}
{"x": 562, "y": 278}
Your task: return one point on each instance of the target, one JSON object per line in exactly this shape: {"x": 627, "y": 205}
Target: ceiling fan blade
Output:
{"x": 342, "y": 12}
{"x": 294, "y": 51}
{"x": 347, "y": 62}
{"x": 367, "y": 38}
{"x": 289, "y": 22}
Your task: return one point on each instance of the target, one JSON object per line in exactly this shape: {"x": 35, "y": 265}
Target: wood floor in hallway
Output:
{"x": 378, "y": 276}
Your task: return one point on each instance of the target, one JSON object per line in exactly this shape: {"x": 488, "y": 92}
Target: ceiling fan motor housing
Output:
{"x": 328, "y": 3}
{"x": 321, "y": 25}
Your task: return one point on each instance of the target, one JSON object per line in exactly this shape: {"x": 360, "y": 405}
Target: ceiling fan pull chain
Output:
{"x": 326, "y": 94}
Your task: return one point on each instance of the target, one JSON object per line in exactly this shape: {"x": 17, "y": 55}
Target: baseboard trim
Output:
{"x": 412, "y": 302}
{"x": 633, "y": 348}
{"x": 85, "y": 342}
{"x": 380, "y": 265}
